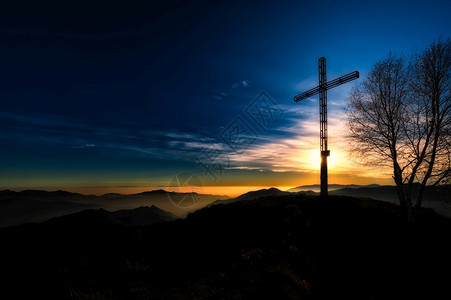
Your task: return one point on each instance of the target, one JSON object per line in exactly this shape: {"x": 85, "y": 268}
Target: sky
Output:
{"x": 126, "y": 97}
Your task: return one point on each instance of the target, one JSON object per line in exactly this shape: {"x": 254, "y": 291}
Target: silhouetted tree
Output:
{"x": 400, "y": 117}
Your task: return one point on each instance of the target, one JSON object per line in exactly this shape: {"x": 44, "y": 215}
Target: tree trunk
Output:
{"x": 420, "y": 196}
{"x": 411, "y": 212}
{"x": 410, "y": 209}
{"x": 402, "y": 202}
{"x": 407, "y": 211}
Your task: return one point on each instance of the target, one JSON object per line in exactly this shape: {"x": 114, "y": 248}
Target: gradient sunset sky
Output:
{"x": 120, "y": 97}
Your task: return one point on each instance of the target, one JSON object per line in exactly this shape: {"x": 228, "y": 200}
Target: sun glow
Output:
{"x": 315, "y": 160}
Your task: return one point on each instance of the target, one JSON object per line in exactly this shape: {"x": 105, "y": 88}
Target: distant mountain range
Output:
{"x": 141, "y": 216}
{"x": 37, "y": 206}
{"x": 331, "y": 187}
{"x": 437, "y": 198}
{"x": 304, "y": 189}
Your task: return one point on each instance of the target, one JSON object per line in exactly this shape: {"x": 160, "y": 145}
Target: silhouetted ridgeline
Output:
{"x": 437, "y": 198}
{"x": 37, "y": 206}
{"x": 253, "y": 195}
{"x": 276, "y": 247}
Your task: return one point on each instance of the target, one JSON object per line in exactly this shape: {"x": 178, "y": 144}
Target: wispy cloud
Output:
{"x": 220, "y": 96}
{"x": 84, "y": 146}
{"x": 242, "y": 83}
{"x": 294, "y": 145}
{"x": 72, "y": 133}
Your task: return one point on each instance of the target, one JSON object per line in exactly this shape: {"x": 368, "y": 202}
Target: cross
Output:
{"x": 321, "y": 89}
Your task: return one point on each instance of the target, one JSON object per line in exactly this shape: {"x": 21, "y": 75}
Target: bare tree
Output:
{"x": 430, "y": 142}
{"x": 400, "y": 117}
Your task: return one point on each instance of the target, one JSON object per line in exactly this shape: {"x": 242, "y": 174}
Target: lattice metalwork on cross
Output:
{"x": 321, "y": 89}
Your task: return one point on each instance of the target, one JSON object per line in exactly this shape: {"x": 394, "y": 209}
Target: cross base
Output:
{"x": 324, "y": 155}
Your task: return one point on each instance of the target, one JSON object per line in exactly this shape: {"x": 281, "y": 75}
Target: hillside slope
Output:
{"x": 278, "y": 247}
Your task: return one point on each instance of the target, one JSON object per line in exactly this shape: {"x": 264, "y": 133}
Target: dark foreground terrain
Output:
{"x": 279, "y": 247}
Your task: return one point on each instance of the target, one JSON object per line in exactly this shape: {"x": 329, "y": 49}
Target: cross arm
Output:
{"x": 329, "y": 85}
{"x": 342, "y": 79}
{"x": 307, "y": 94}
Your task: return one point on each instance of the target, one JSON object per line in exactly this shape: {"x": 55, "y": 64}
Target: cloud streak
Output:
{"x": 66, "y": 133}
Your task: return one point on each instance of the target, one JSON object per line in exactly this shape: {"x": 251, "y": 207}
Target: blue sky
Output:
{"x": 125, "y": 95}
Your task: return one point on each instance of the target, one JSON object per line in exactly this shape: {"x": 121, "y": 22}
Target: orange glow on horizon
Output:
{"x": 231, "y": 191}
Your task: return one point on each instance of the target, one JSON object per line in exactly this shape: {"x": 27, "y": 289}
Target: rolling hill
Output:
{"x": 37, "y": 206}
{"x": 253, "y": 195}
{"x": 276, "y": 247}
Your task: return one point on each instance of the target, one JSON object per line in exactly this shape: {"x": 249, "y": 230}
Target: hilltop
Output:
{"x": 277, "y": 247}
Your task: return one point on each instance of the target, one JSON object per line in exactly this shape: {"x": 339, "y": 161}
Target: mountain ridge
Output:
{"x": 333, "y": 186}
{"x": 39, "y": 205}
{"x": 141, "y": 216}
{"x": 251, "y": 195}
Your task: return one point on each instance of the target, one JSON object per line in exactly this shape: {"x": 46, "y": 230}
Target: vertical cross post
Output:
{"x": 323, "y": 123}
{"x": 321, "y": 89}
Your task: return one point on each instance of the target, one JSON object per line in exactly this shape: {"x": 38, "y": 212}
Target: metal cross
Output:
{"x": 321, "y": 89}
